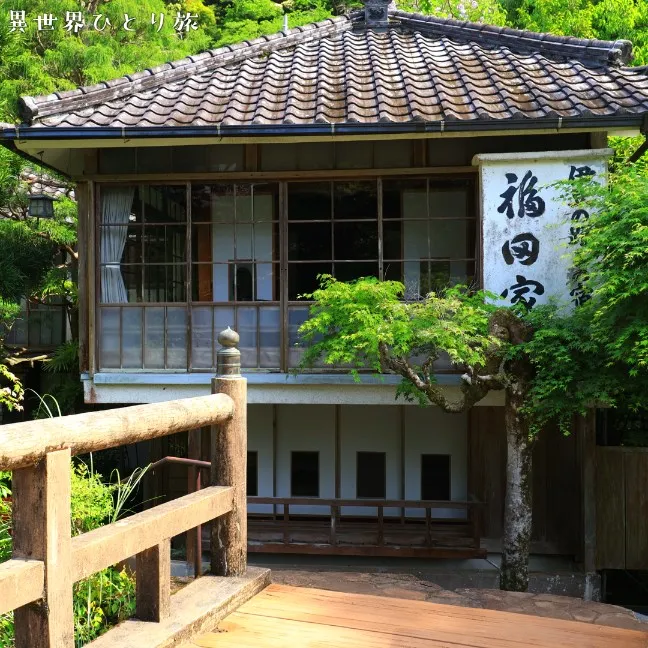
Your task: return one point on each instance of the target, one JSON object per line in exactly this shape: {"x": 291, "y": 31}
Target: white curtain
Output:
{"x": 116, "y": 204}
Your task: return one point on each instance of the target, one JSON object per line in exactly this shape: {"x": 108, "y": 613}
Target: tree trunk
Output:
{"x": 514, "y": 575}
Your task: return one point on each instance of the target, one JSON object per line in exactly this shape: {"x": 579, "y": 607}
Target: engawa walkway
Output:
{"x": 283, "y": 616}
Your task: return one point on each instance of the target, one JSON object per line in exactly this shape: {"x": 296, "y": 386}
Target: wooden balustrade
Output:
{"x": 289, "y": 523}
{"x": 46, "y": 561}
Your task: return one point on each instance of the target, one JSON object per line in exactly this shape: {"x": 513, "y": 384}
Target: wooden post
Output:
{"x": 41, "y": 531}
{"x": 194, "y": 536}
{"x": 153, "y": 582}
{"x": 586, "y": 429}
{"x": 229, "y": 462}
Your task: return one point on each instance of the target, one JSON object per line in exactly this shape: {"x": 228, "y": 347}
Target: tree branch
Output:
{"x": 473, "y": 386}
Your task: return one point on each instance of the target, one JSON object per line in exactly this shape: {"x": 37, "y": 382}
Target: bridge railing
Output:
{"x": 37, "y": 581}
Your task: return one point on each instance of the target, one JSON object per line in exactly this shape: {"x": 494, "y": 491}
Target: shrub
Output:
{"x": 106, "y": 598}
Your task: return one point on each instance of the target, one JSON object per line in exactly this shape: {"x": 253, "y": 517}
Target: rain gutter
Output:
{"x": 25, "y": 133}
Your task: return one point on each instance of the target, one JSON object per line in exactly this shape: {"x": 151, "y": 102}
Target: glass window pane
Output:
{"x": 132, "y": 338}
{"x": 302, "y": 278}
{"x": 393, "y": 240}
{"x": 309, "y": 241}
{"x": 163, "y": 203}
{"x": 449, "y": 203}
{"x": 355, "y": 200}
{"x": 223, "y": 317}
{"x": 270, "y": 337}
{"x": 109, "y": 338}
{"x": 164, "y": 283}
{"x": 404, "y": 199}
{"x": 165, "y": 243}
{"x": 154, "y": 338}
{"x": 351, "y": 271}
{"x": 247, "y": 330}
{"x": 176, "y": 338}
{"x": 355, "y": 241}
{"x": 201, "y": 338}
{"x": 309, "y": 201}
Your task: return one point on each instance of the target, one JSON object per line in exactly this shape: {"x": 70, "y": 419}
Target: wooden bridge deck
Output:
{"x": 282, "y": 616}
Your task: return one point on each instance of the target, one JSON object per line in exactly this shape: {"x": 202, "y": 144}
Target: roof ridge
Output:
{"x": 618, "y": 52}
{"x": 31, "y": 107}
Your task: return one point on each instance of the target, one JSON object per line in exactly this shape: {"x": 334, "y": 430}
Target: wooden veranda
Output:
{"x": 283, "y": 616}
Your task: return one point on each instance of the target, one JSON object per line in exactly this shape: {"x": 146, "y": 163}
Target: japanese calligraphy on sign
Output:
{"x": 528, "y": 231}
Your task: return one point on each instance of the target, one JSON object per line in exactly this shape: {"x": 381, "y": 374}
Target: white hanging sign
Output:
{"x": 527, "y": 228}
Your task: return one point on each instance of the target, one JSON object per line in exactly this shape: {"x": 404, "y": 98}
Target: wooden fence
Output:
{"x": 621, "y": 507}
{"x": 37, "y": 581}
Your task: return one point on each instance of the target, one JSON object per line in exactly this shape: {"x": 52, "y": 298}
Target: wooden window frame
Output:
{"x": 280, "y": 263}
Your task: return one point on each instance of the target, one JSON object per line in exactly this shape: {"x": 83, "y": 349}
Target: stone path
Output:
{"x": 409, "y": 586}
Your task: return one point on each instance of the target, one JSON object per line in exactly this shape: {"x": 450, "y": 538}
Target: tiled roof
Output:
{"x": 45, "y": 184}
{"x": 418, "y": 69}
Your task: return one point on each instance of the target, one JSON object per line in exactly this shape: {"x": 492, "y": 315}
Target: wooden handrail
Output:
{"x": 25, "y": 444}
{"x": 314, "y": 501}
{"x": 47, "y": 561}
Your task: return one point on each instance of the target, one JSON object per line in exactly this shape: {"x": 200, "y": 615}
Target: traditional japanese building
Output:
{"x": 213, "y": 191}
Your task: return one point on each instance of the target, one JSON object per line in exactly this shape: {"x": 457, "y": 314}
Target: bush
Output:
{"x": 106, "y": 598}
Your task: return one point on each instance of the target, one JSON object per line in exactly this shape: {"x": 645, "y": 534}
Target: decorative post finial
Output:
{"x": 228, "y": 359}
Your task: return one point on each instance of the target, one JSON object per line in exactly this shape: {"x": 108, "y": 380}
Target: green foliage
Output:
{"x": 92, "y": 500}
{"x": 349, "y": 321}
{"x": 485, "y": 11}
{"x": 240, "y": 20}
{"x": 42, "y": 62}
{"x": 100, "y": 602}
{"x": 11, "y": 389}
{"x": 25, "y": 260}
{"x": 614, "y": 259}
{"x": 65, "y": 358}
{"x": 108, "y": 597}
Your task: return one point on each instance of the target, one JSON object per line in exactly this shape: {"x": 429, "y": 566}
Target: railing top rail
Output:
{"x": 312, "y": 501}
{"x": 25, "y": 444}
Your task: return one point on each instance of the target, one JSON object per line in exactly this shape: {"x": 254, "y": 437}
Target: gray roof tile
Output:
{"x": 419, "y": 69}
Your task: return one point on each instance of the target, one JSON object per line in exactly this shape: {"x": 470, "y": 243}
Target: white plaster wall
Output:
{"x": 551, "y": 228}
{"x": 431, "y": 431}
{"x": 369, "y": 428}
{"x": 260, "y": 440}
{"x": 136, "y": 388}
{"x": 306, "y": 428}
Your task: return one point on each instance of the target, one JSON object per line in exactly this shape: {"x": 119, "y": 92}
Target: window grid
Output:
{"x": 267, "y": 345}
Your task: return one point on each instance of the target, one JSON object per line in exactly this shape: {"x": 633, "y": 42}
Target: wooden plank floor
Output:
{"x": 282, "y": 617}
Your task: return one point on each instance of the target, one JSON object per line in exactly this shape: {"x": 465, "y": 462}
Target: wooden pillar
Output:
{"x": 193, "y": 536}
{"x": 41, "y": 531}
{"x": 153, "y": 582}
{"x": 586, "y": 430}
{"x": 229, "y": 463}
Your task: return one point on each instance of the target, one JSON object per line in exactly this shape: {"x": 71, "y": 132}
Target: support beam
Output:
{"x": 586, "y": 429}
{"x": 21, "y": 582}
{"x": 42, "y": 531}
{"x": 153, "y": 582}
{"x": 98, "y": 549}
